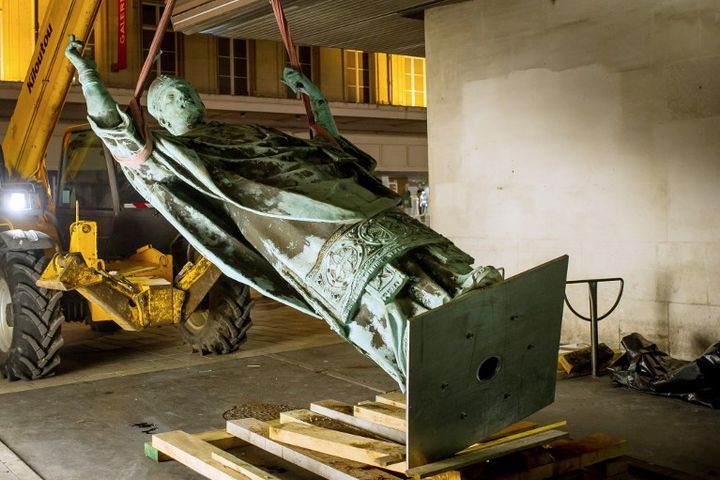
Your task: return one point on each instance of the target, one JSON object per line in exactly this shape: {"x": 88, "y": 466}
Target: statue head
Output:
{"x": 175, "y": 104}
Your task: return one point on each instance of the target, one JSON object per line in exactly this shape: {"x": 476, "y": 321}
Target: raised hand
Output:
{"x": 299, "y": 83}
{"x": 72, "y": 52}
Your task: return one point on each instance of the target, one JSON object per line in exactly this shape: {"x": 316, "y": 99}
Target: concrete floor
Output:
{"x": 86, "y": 428}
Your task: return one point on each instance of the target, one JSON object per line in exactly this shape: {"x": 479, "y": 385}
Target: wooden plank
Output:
{"x": 241, "y": 466}
{"x": 463, "y": 460}
{"x": 518, "y": 427}
{"x": 395, "y": 398}
{"x": 576, "y": 454}
{"x": 308, "y": 417}
{"x": 516, "y": 436}
{"x": 352, "y": 447}
{"x": 218, "y": 438}
{"x": 578, "y": 362}
{"x": 195, "y": 454}
{"x": 344, "y": 412}
{"x": 327, "y": 466}
{"x": 382, "y": 414}
{"x": 558, "y": 458}
{"x": 15, "y": 465}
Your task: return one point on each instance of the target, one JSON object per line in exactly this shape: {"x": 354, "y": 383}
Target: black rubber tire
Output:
{"x": 221, "y": 322}
{"x": 36, "y": 317}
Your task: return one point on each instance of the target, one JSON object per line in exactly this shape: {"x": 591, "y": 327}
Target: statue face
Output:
{"x": 178, "y": 108}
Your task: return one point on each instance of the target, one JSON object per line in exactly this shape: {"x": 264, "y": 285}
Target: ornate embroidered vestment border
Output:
{"x": 355, "y": 254}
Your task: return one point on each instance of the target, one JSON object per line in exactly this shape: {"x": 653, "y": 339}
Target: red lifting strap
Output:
{"x": 315, "y": 129}
{"x": 292, "y": 53}
{"x": 134, "y": 104}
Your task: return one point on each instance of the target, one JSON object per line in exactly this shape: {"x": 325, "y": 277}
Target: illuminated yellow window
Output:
{"x": 357, "y": 76}
{"x": 408, "y": 81}
{"x": 415, "y": 95}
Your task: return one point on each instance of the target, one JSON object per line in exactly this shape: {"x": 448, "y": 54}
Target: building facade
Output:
{"x": 378, "y": 99}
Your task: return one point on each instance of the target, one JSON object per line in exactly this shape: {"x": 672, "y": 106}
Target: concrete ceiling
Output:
{"x": 392, "y": 26}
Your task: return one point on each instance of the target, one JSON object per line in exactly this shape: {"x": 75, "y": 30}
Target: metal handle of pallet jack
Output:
{"x": 594, "y": 318}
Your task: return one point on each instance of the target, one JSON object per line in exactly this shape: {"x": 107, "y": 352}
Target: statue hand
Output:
{"x": 72, "y": 52}
{"x": 299, "y": 83}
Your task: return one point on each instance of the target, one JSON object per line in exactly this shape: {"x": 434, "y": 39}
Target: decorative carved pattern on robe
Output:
{"x": 356, "y": 254}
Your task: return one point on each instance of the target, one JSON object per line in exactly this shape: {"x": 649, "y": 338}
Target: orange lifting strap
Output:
{"x": 292, "y": 54}
{"x": 315, "y": 129}
{"x": 134, "y": 105}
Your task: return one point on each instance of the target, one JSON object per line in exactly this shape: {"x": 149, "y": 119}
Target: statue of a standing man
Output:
{"x": 302, "y": 221}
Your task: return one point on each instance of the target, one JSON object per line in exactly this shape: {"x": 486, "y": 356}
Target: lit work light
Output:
{"x": 17, "y": 201}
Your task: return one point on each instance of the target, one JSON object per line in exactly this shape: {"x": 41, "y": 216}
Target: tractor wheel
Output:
{"x": 30, "y": 318}
{"x": 221, "y": 321}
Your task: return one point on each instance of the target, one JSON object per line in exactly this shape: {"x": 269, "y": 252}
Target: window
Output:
{"x": 232, "y": 66}
{"x": 306, "y": 64}
{"x": 170, "y": 60}
{"x": 414, "y": 82}
{"x": 84, "y": 172}
{"x": 357, "y": 76}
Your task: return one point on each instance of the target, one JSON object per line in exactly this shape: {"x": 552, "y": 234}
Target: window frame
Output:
{"x": 409, "y": 84}
{"x": 178, "y": 53}
{"x": 362, "y": 90}
{"x": 231, "y": 59}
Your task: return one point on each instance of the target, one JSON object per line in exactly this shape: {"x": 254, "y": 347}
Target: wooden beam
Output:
{"x": 559, "y": 459}
{"x": 344, "y": 445}
{"x": 518, "y": 427}
{"x": 396, "y": 399}
{"x": 463, "y": 460}
{"x": 515, "y": 436}
{"x": 576, "y": 454}
{"x": 195, "y": 454}
{"x": 382, "y": 414}
{"x": 344, "y": 412}
{"x": 307, "y": 417}
{"x": 218, "y": 438}
{"x": 327, "y": 466}
{"x": 241, "y": 466}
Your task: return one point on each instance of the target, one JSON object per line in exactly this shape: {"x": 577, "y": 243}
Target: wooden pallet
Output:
{"x": 338, "y": 441}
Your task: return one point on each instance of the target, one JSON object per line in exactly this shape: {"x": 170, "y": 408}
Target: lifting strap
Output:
{"x": 134, "y": 105}
{"x": 315, "y": 129}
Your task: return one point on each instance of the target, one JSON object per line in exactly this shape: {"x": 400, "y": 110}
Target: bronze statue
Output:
{"x": 302, "y": 221}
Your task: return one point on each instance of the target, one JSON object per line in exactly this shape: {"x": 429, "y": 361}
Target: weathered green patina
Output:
{"x": 302, "y": 221}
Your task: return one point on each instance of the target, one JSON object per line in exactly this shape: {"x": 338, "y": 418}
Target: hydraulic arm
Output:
{"x": 44, "y": 90}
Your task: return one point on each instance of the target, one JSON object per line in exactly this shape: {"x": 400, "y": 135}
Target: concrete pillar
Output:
{"x": 590, "y": 128}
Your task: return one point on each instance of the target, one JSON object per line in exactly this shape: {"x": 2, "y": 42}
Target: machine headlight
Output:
{"x": 16, "y": 201}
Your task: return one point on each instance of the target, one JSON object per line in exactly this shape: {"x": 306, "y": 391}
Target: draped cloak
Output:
{"x": 271, "y": 211}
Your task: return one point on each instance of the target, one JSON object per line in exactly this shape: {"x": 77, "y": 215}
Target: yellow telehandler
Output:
{"x": 55, "y": 267}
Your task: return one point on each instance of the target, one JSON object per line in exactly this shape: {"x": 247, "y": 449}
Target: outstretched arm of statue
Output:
{"x": 299, "y": 83}
{"x": 100, "y": 105}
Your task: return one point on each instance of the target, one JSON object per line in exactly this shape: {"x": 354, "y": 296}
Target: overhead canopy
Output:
{"x": 392, "y": 26}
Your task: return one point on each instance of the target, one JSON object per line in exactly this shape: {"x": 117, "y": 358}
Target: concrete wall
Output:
{"x": 590, "y": 128}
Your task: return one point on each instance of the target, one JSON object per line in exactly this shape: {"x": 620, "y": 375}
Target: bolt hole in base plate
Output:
{"x": 490, "y": 379}
{"x": 488, "y": 369}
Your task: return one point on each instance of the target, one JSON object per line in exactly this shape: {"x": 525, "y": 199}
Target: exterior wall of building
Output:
{"x": 587, "y": 128}
{"x": 200, "y": 66}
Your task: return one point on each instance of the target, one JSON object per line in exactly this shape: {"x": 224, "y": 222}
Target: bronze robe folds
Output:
{"x": 303, "y": 222}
